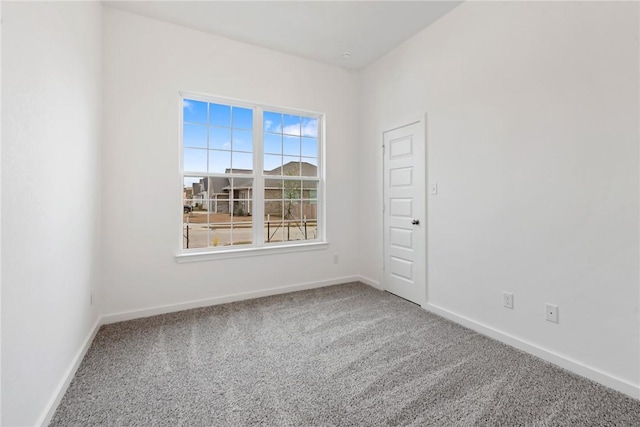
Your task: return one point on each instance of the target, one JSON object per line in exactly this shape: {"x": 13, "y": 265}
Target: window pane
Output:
{"x": 310, "y": 219}
{"x": 220, "y": 115}
{"x": 291, "y": 166}
{"x": 220, "y": 138}
{"x": 194, "y": 136}
{"x": 291, "y": 189}
{"x": 194, "y": 111}
{"x": 273, "y": 189}
{"x": 194, "y": 236}
{"x": 241, "y": 190}
{"x": 219, "y": 203}
{"x": 292, "y": 210}
{"x": 242, "y": 140}
{"x": 187, "y": 206}
{"x": 309, "y": 147}
{"x": 242, "y": 118}
{"x": 309, "y": 167}
{"x": 194, "y": 221}
{"x": 220, "y": 232}
{"x": 241, "y": 209}
{"x": 194, "y": 187}
{"x": 273, "y": 210}
{"x": 272, "y": 164}
{"x": 200, "y": 207}
{"x": 292, "y": 220}
{"x": 272, "y": 143}
{"x": 219, "y": 161}
{"x": 242, "y": 234}
{"x": 220, "y": 217}
{"x": 242, "y": 162}
{"x": 273, "y": 230}
{"x": 242, "y": 220}
{"x": 291, "y": 145}
{"x": 272, "y": 122}
{"x": 310, "y": 210}
{"x": 309, "y": 189}
{"x": 309, "y": 127}
{"x": 291, "y": 125}
{"x": 195, "y": 160}
{"x": 273, "y": 225}
{"x": 217, "y": 187}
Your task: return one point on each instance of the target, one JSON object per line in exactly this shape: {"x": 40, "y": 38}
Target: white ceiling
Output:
{"x": 319, "y": 30}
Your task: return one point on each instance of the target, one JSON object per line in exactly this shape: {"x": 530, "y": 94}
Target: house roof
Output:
{"x": 218, "y": 185}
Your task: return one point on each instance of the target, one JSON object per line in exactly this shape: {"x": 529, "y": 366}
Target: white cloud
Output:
{"x": 269, "y": 126}
{"x": 291, "y": 130}
{"x": 310, "y": 128}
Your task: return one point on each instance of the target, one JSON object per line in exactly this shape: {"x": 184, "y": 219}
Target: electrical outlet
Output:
{"x": 507, "y": 299}
{"x": 336, "y": 259}
{"x": 552, "y": 313}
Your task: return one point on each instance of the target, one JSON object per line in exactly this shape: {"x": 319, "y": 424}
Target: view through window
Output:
{"x": 251, "y": 175}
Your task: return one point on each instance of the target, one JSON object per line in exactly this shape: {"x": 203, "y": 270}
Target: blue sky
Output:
{"x": 217, "y": 137}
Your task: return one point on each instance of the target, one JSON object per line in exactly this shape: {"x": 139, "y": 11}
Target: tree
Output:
{"x": 291, "y": 191}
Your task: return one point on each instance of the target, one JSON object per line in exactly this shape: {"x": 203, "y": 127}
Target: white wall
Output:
{"x": 147, "y": 63}
{"x": 533, "y": 137}
{"x": 50, "y": 197}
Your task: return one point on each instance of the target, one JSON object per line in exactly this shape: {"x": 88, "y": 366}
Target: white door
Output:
{"x": 404, "y": 212}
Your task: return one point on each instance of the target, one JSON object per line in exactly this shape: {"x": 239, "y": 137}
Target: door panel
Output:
{"x": 404, "y": 198}
{"x": 400, "y": 147}
{"x": 401, "y": 177}
{"x": 401, "y": 207}
{"x": 401, "y": 238}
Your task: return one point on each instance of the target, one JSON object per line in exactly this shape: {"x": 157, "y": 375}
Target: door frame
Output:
{"x": 421, "y": 120}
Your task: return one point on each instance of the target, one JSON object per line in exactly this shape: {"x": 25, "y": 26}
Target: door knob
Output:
{"x": 415, "y": 222}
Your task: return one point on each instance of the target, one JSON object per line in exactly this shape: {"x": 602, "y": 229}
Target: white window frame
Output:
{"x": 259, "y": 245}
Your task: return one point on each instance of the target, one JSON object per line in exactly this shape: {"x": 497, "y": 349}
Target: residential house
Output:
{"x": 224, "y": 197}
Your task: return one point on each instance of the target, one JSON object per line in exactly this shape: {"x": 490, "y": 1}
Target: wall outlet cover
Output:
{"x": 552, "y": 312}
{"x": 507, "y": 299}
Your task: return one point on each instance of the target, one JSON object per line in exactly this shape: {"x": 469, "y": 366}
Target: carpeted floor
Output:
{"x": 342, "y": 355}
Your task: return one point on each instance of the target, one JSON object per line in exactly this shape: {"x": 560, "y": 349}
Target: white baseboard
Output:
{"x": 567, "y": 363}
{"x": 170, "y": 308}
{"x": 370, "y": 282}
{"x": 53, "y": 403}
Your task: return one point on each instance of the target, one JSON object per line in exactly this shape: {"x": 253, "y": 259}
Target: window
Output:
{"x": 251, "y": 176}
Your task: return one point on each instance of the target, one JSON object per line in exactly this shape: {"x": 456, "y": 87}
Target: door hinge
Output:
{"x": 383, "y": 149}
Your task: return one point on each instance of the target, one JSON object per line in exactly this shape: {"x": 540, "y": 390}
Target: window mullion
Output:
{"x": 258, "y": 179}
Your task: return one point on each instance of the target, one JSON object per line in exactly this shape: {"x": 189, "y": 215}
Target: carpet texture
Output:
{"x": 342, "y": 355}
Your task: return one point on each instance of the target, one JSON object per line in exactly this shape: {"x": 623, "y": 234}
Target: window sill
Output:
{"x": 185, "y": 257}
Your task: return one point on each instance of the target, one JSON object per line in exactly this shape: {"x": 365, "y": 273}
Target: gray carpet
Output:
{"x": 342, "y": 355}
